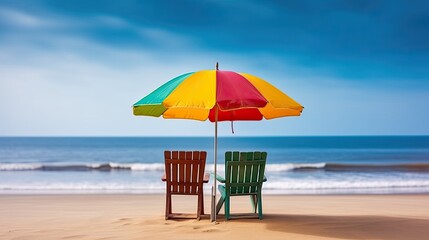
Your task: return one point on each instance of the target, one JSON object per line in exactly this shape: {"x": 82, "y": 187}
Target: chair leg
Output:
{"x": 254, "y": 201}
{"x": 260, "y": 205}
{"x": 227, "y": 206}
{"x": 199, "y": 210}
{"x": 170, "y": 208}
{"x": 202, "y": 203}
{"x": 167, "y": 205}
{"x": 219, "y": 204}
{"x": 199, "y": 207}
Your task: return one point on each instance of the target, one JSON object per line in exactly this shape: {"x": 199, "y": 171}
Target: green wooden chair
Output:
{"x": 244, "y": 175}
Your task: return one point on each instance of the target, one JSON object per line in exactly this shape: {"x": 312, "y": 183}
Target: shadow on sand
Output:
{"x": 348, "y": 227}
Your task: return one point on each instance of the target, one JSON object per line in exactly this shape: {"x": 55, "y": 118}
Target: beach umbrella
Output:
{"x": 217, "y": 96}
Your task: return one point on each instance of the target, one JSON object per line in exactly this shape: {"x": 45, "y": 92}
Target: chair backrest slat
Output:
{"x": 241, "y": 169}
{"x": 181, "y": 166}
{"x": 175, "y": 156}
{"x": 248, "y": 178}
{"x": 234, "y": 170}
{"x": 194, "y": 171}
{"x": 254, "y": 178}
{"x": 187, "y": 169}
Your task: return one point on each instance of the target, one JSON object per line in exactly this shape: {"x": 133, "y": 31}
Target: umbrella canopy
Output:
{"x": 238, "y": 96}
{"x": 218, "y": 96}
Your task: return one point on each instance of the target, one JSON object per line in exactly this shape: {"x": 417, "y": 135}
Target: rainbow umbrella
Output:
{"x": 218, "y": 96}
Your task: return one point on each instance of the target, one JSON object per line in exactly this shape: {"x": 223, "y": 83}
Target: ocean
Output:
{"x": 295, "y": 165}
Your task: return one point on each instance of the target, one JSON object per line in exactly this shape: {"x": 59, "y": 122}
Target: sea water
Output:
{"x": 295, "y": 165}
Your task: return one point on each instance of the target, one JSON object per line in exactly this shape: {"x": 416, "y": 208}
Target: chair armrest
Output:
{"x": 220, "y": 178}
{"x": 265, "y": 179}
{"x": 206, "y": 178}
{"x": 164, "y": 178}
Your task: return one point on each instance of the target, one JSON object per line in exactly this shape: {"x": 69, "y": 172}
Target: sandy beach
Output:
{"x": 122, "y": 216}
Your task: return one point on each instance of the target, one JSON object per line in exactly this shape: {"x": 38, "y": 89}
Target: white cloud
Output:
{"x": 79, "y": 87}
{"x": 158, "y": 36}
{"x": 23, "y": 19}
{"x": 111, "y": 21}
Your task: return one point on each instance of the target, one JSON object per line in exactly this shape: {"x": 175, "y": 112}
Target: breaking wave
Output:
{"x": 332, "y": 167}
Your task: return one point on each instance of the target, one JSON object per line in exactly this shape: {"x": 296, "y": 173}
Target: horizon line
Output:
{"x": 204, "y": 136}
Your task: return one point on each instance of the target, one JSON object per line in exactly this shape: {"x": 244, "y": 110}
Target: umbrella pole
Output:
{"x": 214, "y": 188}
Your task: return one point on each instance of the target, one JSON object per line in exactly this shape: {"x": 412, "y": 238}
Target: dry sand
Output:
{"x": 124, "y": 217}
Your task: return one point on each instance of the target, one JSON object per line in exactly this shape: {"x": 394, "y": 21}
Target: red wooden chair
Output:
{"x": 184, "y": 175}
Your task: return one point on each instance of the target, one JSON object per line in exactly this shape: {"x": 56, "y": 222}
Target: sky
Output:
{"x": 75, "y": 68}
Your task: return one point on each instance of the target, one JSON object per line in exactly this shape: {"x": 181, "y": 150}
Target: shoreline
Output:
{"x": 207, "y": 191}
{"x": 207, "y": 194}
{"x": 141, "y": 216}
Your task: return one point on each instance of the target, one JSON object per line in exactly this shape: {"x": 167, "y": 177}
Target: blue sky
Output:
{"x": 74, "y": 68}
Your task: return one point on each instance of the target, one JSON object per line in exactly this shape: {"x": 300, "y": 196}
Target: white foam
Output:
{"x": 48, "y": 187}
{"x": 131, "y": 166}
{"x": 301, "y": 184}
{"x": 150, "y": 166}
{"x": 292, "y": 166}
{"x": 275, "y": 167}
{"x": 274, "y": 185}
{"x": 139, "y": 166}
{"x": 18, "y": 166}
